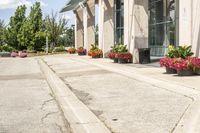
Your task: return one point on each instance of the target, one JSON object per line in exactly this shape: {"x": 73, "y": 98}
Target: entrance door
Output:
{"x": 162, "y": 26}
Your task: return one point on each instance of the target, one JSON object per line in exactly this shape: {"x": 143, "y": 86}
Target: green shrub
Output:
{"x": 6, "y": 48}
{"x": 30, "y": 49}
{"x": 59, "y": 49}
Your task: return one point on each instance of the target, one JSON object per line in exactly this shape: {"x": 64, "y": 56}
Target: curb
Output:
{"x": 79, "y": 117}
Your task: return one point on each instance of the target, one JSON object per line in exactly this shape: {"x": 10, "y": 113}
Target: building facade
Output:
{"x": 151, "y": 24}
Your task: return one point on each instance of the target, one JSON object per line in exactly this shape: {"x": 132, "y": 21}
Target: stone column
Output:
{"x": 85, "y": 20}
{"x": 100, "y": 19}
{"x": 79, "y": 32}
{"x": 136, "y": 26}
{"x": 184, "y": 22}
{"x": 108, "y": 19}
{"x": 90, "y": 9}
{"x": 129, "y": 23}
{"x": 106, "y": 25}
{"x": 196, "y": 27}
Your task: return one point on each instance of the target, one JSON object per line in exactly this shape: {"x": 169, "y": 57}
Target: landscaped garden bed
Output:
{"x": 180, "y": 61}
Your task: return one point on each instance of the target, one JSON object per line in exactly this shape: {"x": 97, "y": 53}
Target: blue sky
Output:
{"x": 7, "y": 8}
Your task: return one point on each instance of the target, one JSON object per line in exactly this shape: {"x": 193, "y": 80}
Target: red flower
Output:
{"x": 81, "y": 50}
{"x": 167, "y": 62}
{"x": 111, "y": 55}
{"x": 127, "y": 56}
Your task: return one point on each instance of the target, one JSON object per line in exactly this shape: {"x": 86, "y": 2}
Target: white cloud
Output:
{"x": 9, "y": 4}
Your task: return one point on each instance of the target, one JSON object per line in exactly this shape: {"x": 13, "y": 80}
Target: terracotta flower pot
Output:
{"x": 185, "y": 73}
{"x": 170, "y": 70}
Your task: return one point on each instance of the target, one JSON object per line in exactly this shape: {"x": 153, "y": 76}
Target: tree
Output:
{"x": 35, "y": 21}
{"x": 2, "y": 32}
{"x": 16, "y": 22}
{"x": 55, "y": 27}
{"x": 31, "y": 30}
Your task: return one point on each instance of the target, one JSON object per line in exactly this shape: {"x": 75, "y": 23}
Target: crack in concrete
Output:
{"x": 45, "y": 102}
{"x": 48, "y": 114}
{"x": 60, "y": 128}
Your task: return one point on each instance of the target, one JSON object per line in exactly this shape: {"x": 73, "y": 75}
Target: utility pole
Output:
{"x": 47, "y": 44}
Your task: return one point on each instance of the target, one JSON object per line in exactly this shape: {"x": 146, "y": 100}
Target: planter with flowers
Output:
{"x": 81, "y": 51}
{"x": 113, "y": 52}
{"x": 71, "y": 50}
{"x": 184, "y": 67}
{"x": 195, "y": 63}
{"x": 124, "y": 57}
{"x": 95, "y": 52}
{"x": 168, "y": 63}
{"x": 119, "y": 53}
{"x": 174, "y": 54}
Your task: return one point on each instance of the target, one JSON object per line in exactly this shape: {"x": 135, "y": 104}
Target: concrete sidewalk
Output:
{"x": 131, "y": 98}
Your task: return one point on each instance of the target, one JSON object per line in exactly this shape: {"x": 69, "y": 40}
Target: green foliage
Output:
{"x": 30, "y": 34}
{"x": 179, "y": 52}
{"x": 67, "y": 39}
{"x": 6, "y": 48}
{"x": 15, "y": 25}
{"x": 94, "y": 47}
{"x": 26, "y": 32}
{"x": 119, "y": 48}
{"x": 185, "y": 51}
{"x": 35, "y": 25}
{"x": 2, "y": 32}
{"x": 55, "y": 28}
{"x": 172, "y": 52}
{"x": 59, "y": 49}
{"x": 40, "y": 41}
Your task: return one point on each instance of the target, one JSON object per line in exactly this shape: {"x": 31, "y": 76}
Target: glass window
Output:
{"x": 162, "y": 24}
{"x": 119, "y": 25}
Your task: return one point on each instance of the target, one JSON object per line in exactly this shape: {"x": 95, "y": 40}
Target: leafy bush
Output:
{"x": 6, "y": 48}
{"x": 179, "y": 52}
{"x": 30, "y": 49}
{"x": 59, "y": 49}
{"x": 122, "y": 49}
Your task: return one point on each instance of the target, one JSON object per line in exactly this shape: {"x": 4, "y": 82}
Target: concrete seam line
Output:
{"x": 80, "y": 118}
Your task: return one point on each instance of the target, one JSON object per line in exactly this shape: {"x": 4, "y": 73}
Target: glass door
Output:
{"x": 162, "y": 26}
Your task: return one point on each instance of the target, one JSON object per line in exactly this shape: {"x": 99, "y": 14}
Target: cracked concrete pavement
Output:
{"x": 27, "y": 104}
{"x": 124, "y": 102}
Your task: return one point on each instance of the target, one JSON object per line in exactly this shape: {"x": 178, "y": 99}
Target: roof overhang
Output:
{"x": 73, "y": 5}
